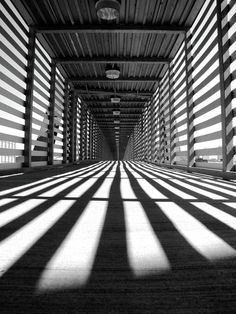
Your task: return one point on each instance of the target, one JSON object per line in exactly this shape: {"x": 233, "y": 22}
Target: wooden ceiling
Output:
{"x": 141, "y": 42}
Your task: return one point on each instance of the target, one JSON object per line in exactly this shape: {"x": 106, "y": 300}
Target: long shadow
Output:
{"x": 213, "y": 224}
{"x": 106, "y": 290}
{"x": 193, "y": 285}
{"x": 19, "y": 222}
{"x": 34, "y": 177}
{"x": 25, "y": 273}
{"x": 171, "y": 195}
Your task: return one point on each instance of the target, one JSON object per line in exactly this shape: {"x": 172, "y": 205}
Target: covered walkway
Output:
{"x": 117, "y": 237}
{"x": 118, "y": 156}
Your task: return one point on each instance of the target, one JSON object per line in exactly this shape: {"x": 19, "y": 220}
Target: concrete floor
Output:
{"x": 117, "y": 238}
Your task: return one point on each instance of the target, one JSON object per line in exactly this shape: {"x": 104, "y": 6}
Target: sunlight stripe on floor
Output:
{"x": 198, "y": 190}
{"x": 18, "y": 243}
{"x": 81, "y": 189}
{"x": 211, "y": 186}
{"x": 11, "y": 175}
{"x": 151, "y": 176}
{"x": 104, "y": 189}
{"x": 78, "y": 171}
{"x": 135, "y": 174}
{"x": 71, "y": 265}
{"x": 232, "y": 205}
{"x": 231, "y": 186}
{"x": 40, "y": 187}
{"x": 97, "y": 175}
{"x": 126, "y": 189}
{"x": 145, "y": 253}
{"x": 204, "y": 241}
{"x": 6, "y": 201}
{"x": 16, "y": 211}
{"x": 224, "y": 217}
{"x": 174, "y": 190}
{"x": 150, "y": 190}
{"x": 60, "y": 188}
{"x": 12, "y": 190}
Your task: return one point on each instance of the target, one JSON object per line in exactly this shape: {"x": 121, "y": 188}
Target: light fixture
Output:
{"x": 116, "y": 121}
{"x": 115, "y": 99}
{"x": 116, "y": 112}
{"x": 117, "y": 128}
{"x": 108, "y": 9}
{"x": 112, "y": 71}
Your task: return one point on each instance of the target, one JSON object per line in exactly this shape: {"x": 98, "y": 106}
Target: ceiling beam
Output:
{"x": 112, "y": 28}
{"x": 122, "y": 102}
{"x": 114, "y": 107}
{"x": 158, "y": 60}
{"x": 119, "y": 80}
{"x": 109, "y": 115}
{"x": 102, "y": 92}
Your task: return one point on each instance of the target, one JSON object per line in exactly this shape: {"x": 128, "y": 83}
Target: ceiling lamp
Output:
{"x": 117, "y": 127}
{"x": 112, "y": 71}
{"x": 115, "y": 99}
{"x": 116, "y": 121}
{"x": 108, "y": 9}
{"x": 116, "y": 112}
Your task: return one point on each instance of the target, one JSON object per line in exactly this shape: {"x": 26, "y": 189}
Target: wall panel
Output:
{"x": 13, "y": 67}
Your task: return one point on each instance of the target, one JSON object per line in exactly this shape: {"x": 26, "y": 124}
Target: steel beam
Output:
{"x": 108, "y": 101}
{"x": 111, "y": 28}
{"x": 65, "y": 139}
{"x": 52, "y": 114}
{"x": 119, "y": 60}
{"x": 189, "y": 111}
{"x": 119, "y": 80}
{"x": 103, "y": 92}
{"x": 29, "y": 98}
{"x": 226, "y": 106}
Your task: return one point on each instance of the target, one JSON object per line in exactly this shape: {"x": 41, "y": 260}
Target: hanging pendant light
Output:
{"x": 116, "y": 112}
{"x": 112, "y": 71}
{"x": 108, "y": 9}
{"x": 115, "y": 99}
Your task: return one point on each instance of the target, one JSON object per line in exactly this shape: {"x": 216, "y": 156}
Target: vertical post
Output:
{"x": 29, "y": 98}
{"x": 190, "y": 105}
{"x": 159, "y": 120}
{"x": 172, "y": 117}
{"x": 73, "y": 131}
{"x": 65, "y": 129}
{"x": 52, "y": 114}
{"x": 226, "y": 106}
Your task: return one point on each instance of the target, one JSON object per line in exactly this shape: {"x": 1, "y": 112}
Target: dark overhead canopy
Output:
{"x": 141, "y": 42}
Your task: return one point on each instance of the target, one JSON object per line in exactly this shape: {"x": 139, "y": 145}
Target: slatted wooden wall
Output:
{"x": 195, "y": 104}
{"x": 14, "y": 41}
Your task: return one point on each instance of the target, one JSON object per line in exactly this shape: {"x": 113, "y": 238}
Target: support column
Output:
{"x": 73, "y": 131}
{"x": 172, "y": 117}
{"x": 65, "y": 129}
{"x": 226, "y": 104}
{"x": 29, "y": 98}
{"x": 190, "y": 105}
{"x": 52, "y": 114}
